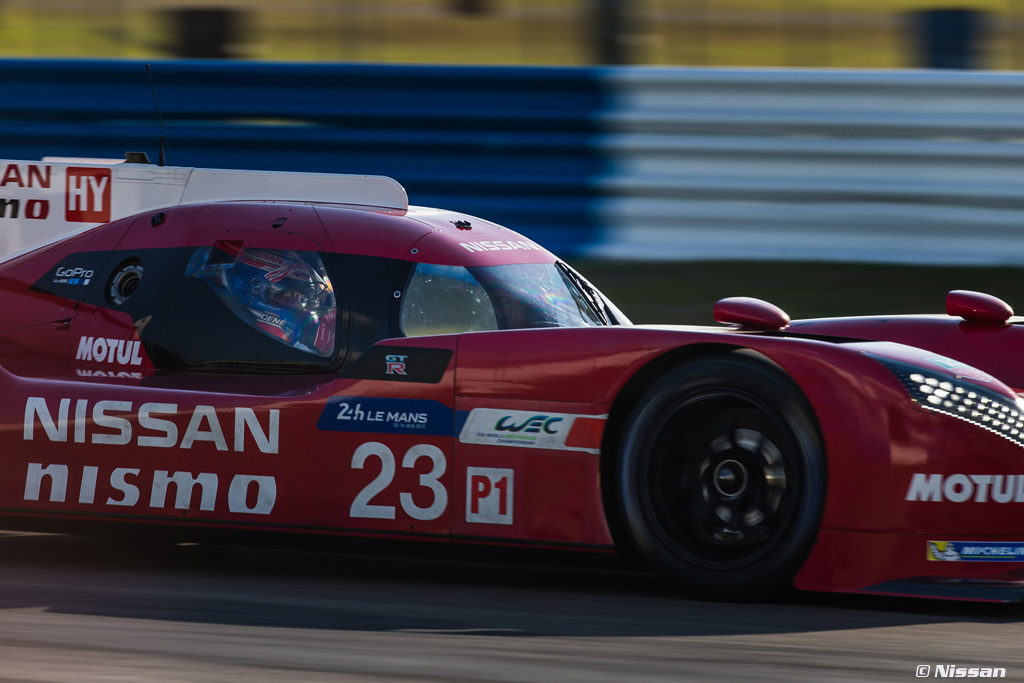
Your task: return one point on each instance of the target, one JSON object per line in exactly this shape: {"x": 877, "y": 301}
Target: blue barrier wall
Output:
{"x": 514, "y": 145}
{"x": 622, "y": 163}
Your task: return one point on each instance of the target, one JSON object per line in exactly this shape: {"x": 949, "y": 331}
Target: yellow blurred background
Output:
{"x": 769, "y": 33}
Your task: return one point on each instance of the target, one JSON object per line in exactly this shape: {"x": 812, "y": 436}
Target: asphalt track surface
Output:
{"x": 84, "y": 609}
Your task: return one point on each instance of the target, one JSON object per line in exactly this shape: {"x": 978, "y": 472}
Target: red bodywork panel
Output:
{"x": 481, "y": 437}
{"x": 988, "y": 347}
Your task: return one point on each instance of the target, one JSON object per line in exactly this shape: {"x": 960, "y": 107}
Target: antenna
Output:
{"x": 163, "y": 137}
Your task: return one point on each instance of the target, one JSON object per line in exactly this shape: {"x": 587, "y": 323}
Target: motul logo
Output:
{"x": 105, "y": 350}
{"x": 961, "y": 488}
{"x": 88, "y": 195}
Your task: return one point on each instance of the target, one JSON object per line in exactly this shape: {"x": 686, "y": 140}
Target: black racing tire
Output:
{"x": 721, "y": 478}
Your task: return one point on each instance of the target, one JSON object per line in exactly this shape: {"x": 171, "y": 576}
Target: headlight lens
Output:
{"x": 959, "y": 398}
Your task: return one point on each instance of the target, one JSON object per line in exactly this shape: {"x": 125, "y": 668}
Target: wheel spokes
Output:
{"x": 724, "y": 484}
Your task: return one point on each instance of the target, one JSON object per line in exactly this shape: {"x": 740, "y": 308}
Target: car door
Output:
{"x": 177, "y": 405}
{"x": 387, "y": 430}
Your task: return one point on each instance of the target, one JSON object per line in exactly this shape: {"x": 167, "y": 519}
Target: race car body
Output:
{"x": 302, "y": 354}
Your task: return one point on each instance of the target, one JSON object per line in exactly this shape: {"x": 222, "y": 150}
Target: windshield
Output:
{"x": 448, "y": 299}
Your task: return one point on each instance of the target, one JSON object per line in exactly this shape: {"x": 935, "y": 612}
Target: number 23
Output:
{"x": 363, "y": 507}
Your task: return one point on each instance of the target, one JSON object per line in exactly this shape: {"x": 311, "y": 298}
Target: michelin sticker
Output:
{"x": 974, "y": 551}
{"x": 520, "y": 428}
{"x": 386, "y": 416}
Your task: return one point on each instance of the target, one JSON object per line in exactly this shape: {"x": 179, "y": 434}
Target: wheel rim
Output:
{"x": 722, "y": 473}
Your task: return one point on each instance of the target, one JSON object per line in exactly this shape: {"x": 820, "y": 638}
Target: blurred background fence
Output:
{"x": 780, "y": 33}
{"x": 513, "y": 144}
{"x": 879, "y": 166}
{"x": 617, "y": 162}
{"x": 626, "y": 144}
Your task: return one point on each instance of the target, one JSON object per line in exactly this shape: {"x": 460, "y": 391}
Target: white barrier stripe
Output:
{"x": 875, "y": 166}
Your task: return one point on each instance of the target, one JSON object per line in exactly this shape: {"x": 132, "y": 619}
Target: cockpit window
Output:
{"x": 447, "y": 299}
{"x": 286, "y": 295}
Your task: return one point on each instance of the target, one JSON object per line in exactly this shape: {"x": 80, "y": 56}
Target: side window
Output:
{"x": 229, "y": 307}
{"x": 445, "y": 299}
{"x": 284, "y": 295}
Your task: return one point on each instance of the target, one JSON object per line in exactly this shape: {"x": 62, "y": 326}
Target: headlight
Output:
{"x": 959, "y": 398}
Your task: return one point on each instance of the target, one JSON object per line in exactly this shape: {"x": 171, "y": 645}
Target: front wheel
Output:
{"x": 721, "y": 478}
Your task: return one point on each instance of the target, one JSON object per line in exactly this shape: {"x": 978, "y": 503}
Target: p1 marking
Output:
{"x": 489, "y": 495}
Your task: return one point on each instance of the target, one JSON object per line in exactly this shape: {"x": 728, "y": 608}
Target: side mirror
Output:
{"x": 977, "y": 307}
{"x": 750, "y": 314}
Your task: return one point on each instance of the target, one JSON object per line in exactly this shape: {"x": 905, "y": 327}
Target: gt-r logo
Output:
{"x": 489, "y": 495}
{"x": 88, "y": 195}
{"x": 395, "y": 364}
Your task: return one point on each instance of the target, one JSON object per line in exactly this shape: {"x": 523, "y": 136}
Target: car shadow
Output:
{"x": 464, "y": 593}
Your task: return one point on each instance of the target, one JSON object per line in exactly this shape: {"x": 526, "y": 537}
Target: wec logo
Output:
{"x": 521, "y": 428}
{"x": 533, "y": 425}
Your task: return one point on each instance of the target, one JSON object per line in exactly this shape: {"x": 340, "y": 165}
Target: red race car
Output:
{"x": 307, "y": 354}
